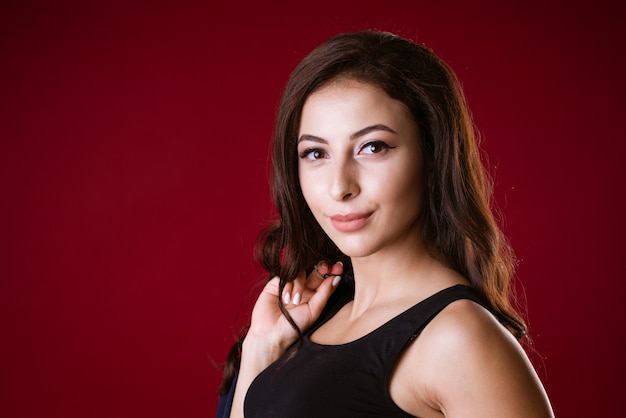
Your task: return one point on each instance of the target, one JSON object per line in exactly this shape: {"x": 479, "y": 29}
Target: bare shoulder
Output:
{"x": 465, "y": 328}
{"x": 466, "y": 364}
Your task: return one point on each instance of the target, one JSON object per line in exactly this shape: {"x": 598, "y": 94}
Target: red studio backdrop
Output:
{"x": 133, "y": 181}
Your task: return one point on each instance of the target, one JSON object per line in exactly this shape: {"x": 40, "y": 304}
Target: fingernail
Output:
{"x": 296, "y": 298}
{"x": 340, "y": 263}
{"x": 286, "y": 298}
{"x": 336, "y": 281}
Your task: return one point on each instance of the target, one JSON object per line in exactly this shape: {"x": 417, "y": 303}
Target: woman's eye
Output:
{"x": 374, "y": 147}
{"x": 312, "y": 154}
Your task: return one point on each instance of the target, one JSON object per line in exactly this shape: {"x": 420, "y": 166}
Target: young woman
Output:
{"x": 376, "y": 170}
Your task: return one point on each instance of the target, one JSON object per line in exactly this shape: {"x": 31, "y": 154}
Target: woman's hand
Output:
{"x": 304, "y": 298}
{"x": 270, "y": 333}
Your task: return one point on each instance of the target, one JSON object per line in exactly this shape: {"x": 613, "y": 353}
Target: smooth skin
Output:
{"x": 360, "y": 169}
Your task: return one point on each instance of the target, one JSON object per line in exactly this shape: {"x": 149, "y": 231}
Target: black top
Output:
{"x": 344, "y": 380}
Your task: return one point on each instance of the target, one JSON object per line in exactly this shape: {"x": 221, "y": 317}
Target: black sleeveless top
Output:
{"x": 344, "y": 380}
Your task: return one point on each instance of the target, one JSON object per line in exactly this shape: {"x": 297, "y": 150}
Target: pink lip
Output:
{"x": 349, "y": 222}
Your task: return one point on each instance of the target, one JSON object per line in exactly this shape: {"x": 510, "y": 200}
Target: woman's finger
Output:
{"x": 298, "y": 284}
{"x": 302, "y": 287}
{"x": 336, "y": 269}
{"x": 324, "y": 271}
{"x": 288, "y": 293}
{"x": 322, "y": 293}
{"x": 317, "y": 275}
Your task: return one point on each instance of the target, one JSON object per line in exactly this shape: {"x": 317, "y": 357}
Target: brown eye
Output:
{"x": 374, "y": 147}
{"x": 313, "y": 154}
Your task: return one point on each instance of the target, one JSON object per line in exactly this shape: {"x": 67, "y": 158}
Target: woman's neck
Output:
{"x": 398, "y": 277}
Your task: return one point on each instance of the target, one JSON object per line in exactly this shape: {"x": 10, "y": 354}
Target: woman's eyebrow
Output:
{"x": 377, "y": 127}
{"x": 312, "y": 138}
{"x": 357, "y": 134}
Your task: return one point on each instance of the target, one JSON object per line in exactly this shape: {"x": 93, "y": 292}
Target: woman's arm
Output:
{"x": 270, "y": 333}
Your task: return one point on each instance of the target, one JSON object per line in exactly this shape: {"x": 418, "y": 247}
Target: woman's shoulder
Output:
{"x": 466, "y": 323}
{"x": 465, "y": 336}
{"x": 465, "y": 357}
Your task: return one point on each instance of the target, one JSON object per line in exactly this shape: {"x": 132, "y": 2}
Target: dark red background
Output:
{"x": 133, "y": 147}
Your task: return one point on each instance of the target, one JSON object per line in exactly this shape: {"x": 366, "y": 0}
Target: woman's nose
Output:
{"x": 344, "y": 184}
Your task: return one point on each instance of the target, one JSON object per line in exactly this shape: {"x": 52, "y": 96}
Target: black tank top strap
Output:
{"x": 396, "y": 334}
{"x": 431, "y": 306}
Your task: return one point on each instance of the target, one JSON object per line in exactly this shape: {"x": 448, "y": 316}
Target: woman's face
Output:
{"x": 360, "y": 168}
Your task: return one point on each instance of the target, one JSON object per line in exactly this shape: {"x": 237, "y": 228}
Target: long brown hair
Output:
{"x": 459, "y": 227}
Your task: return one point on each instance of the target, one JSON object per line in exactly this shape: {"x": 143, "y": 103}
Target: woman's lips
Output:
{"x": 349, "y": 222}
